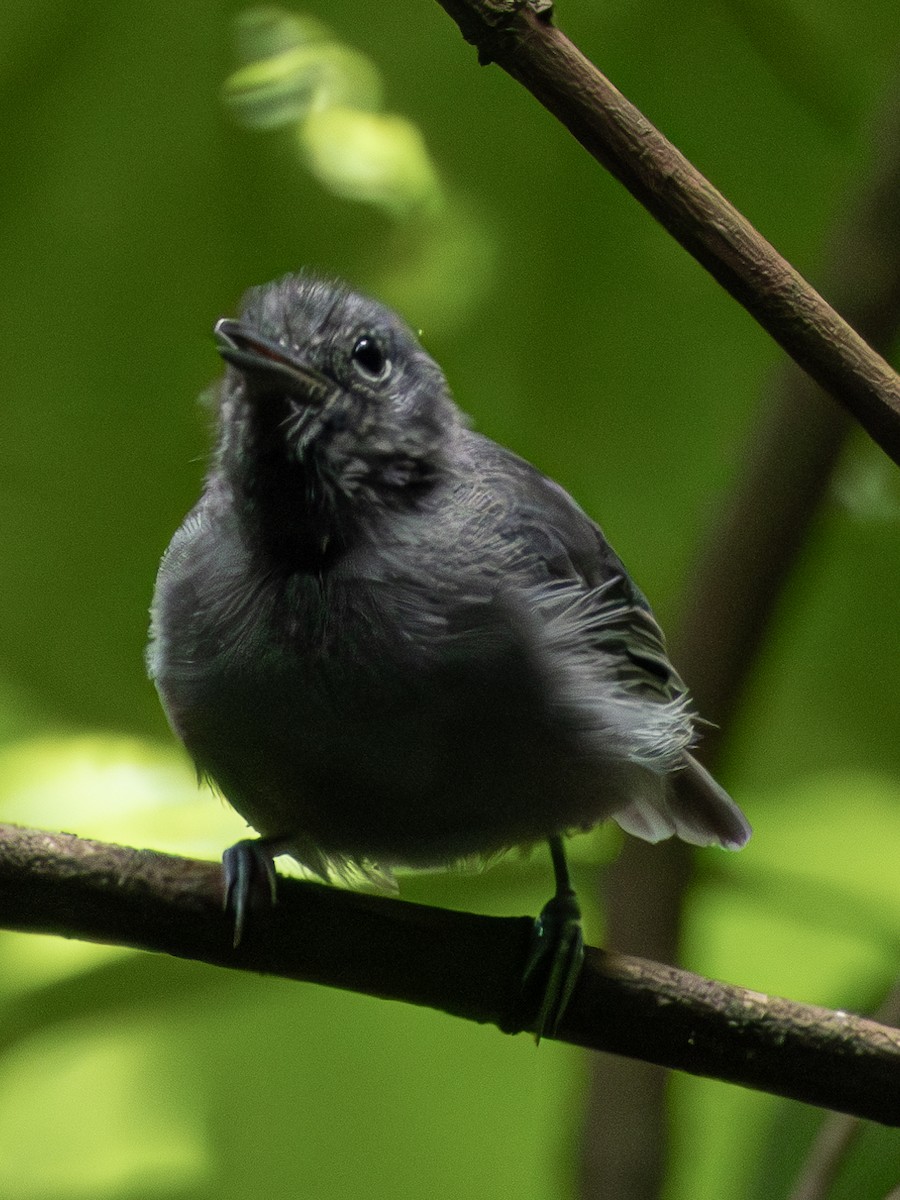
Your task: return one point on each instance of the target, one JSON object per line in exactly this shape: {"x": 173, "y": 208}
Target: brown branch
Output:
{"x": 517, "y": 35}
{"x": 459, "y": 963}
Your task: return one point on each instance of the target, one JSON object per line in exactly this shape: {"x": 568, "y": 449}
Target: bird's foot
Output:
{"x": 553, "y": 965}
{"x": 250, "y": 878}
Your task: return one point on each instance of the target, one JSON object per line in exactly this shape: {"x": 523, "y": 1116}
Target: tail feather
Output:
{"x": 693, "y": 807}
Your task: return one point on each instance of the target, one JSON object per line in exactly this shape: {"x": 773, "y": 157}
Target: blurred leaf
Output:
{"x": 284, "y": 88}
{"x": 375, "y": 157}
{"x": 93, "y": 1113}
{"x": 832, "y": 835}
{"x": 268, "y": 31}
{"x": 437, "y": 256}
{"x": 295, "y": 73}
{"x": 108, "y": 787}
{"x": 868, "y": 485}
{"x": 116, "y": 789}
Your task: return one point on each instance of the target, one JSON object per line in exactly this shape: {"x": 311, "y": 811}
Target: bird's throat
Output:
{"x": 295, "y": 520}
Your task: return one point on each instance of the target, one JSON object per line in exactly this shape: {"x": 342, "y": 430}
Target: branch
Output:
{"x": 460, "y": 963}
{"x": 517, "y": 35}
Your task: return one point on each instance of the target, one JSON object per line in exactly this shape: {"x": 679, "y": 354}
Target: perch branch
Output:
{"x": 518, "y": 35}
{"x": 460, "y": 963}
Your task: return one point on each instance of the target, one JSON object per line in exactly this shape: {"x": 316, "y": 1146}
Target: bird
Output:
{"x": 394, "y": 644}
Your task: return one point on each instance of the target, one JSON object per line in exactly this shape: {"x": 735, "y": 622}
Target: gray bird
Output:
{"x": 393, "y": 643}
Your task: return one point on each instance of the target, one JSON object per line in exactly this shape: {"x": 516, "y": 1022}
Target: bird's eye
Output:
{"x": 369, "y": 358}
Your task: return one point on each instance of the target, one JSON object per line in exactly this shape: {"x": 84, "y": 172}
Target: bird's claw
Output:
{"x": 250, "y": 880}
{"x": 554, "y": 963}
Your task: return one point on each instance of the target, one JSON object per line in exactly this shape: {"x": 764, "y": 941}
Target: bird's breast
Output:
{"x": 378, "y": 724}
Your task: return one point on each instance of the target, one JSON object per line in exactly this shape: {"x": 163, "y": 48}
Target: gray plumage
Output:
{"x": 392, "y": 642}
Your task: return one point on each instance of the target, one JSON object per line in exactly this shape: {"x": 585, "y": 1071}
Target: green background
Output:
{"x": 133, "y": 213}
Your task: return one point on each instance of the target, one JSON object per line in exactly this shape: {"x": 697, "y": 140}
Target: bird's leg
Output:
{"x": 556, "y": 952}
{"x": 250, "y": 878}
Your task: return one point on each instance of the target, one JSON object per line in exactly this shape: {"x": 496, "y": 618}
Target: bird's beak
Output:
{"x": 267, "y": 365}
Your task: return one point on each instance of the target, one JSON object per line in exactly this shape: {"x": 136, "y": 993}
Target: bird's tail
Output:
{"x": 692, "y": 807}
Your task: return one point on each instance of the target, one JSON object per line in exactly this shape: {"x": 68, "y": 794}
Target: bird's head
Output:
{"x": 329, "y": 395}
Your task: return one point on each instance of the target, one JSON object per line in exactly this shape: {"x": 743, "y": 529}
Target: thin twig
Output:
{"x": 469, "y": 966}
{"x": 518, "y": 36}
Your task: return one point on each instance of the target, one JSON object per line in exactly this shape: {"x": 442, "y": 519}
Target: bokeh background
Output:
{"x": 135, "y": 207}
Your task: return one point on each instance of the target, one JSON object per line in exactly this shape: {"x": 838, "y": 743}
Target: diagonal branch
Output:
{"x": 466, "y": 965}
{"x": 517, "y": 35}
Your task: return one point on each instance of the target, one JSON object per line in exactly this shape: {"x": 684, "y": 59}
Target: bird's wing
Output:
{"x": 598, "y": 638}
{"x": 607, "y": 655}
